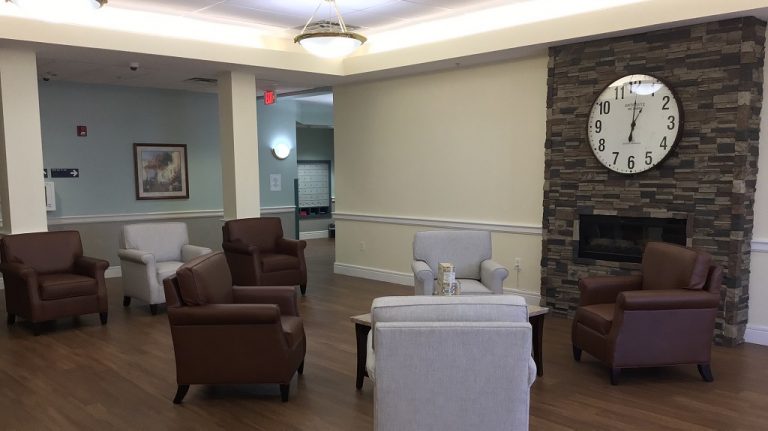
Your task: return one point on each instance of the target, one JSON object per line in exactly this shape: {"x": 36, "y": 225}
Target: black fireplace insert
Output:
{"x": 623, "y": 239}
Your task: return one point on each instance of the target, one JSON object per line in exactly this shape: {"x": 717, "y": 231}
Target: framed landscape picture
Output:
{"x": 161, "y": 171}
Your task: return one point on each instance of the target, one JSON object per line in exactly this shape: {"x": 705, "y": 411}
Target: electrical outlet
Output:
{"x": 362, "y": 245}
{"x": 517, "y": 264}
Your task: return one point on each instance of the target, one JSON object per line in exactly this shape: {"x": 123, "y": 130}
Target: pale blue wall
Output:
{"x": 316, "y": 114}
{"x": 316, "y": 144}
{"x": 117, "y": 117}
{"x": 277, "y": 122}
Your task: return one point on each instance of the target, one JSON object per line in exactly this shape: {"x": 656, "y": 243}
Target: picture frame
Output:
{"x": 160, "y": 171}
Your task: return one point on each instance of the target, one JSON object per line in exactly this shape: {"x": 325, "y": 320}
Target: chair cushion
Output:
{"x": 45, "y": 252}
{"x": 598, "y": 317}
{"x": 472, "y": 287}
{"x": 293, "y": 329}
{"x": 205, "y": 280}
{"x": 60, "y": 286}
{"x": 166, "y": 269}
{"x": 278, "y": 262}
{"x": 164, "y": 240}
{"x": 464, "y": 249}
{"x": 669, "y": 266}
{"x": 462, "y": 308}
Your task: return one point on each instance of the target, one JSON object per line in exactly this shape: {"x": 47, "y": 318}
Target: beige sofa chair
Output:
{"x": 469, "y": 251}
{"x": 450, "y": 363}
{"x": 149, "y": 253}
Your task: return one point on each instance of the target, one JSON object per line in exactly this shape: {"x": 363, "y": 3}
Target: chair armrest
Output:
{"x": 239, "y": 247}
{"x": 17, "y": 270}
{"x": 422, "y": 271}
{"x": 290, "y": 246}
{"x": 605, "y": 289}
{"x": 283, "y": 296}
{"x": 672, "y": 299}
{"x": 189, "y": 252}
{"x": 136, "y": 256}
{"x": 90, "y": 266}
{"x": 492, "y": 275}
{"x": 224, "y": 314}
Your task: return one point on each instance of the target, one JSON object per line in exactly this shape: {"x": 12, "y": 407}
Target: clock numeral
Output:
{"x": 648, "y": 158}
{"x": 601, "y": 144}
{"x": 619, "y": 93}
{"x": 631, "y": 162}
{"x": 663, "y": 143}
{"x": 671, "y": 125}
{"x": 615, "y": 156}
{"x": 605, "y": 107}
{"x": 665, "y": 106}
{"x": 598, "y": 126}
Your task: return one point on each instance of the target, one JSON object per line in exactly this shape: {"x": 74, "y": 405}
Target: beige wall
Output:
{"x": 465, "y": 145}
{"x": 758, "y": 280}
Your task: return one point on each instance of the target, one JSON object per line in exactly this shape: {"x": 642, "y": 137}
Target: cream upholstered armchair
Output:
{"x": 150, "y": 252}
{"x": 468, "y": 251}
{"x": 450, "y": 363}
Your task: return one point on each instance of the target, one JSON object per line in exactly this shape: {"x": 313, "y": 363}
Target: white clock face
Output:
{"x": 634, "y": 123}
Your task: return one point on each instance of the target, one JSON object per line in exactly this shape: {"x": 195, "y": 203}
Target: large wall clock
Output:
{"x": 634, "y": 124}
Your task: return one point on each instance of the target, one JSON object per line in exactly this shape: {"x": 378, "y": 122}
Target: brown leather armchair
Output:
{"x": 663, "y": 317}
{"x": 47, "y": 277}
{"x": 258, "y": 255}
{"x": 224, "y": 334}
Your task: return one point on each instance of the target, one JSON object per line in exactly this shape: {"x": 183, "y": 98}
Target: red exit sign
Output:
{"x": 269, "y": 97}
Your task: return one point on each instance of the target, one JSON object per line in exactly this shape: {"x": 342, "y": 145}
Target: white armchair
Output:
{"x": 468, "y": 251}
{"x": 150, "y": 252}
{"x": 450, "y": 363}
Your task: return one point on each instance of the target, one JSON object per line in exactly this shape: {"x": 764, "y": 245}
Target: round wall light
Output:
{"x": 281, "y": 151}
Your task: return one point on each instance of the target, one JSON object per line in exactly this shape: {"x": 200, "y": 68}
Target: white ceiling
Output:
{"x": 371, "y": 15}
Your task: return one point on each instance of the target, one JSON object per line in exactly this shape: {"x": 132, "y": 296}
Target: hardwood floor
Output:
{"x": 79, "y": 375}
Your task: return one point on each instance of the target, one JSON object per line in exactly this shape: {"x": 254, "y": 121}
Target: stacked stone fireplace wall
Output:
{"x": 716, "y": 69}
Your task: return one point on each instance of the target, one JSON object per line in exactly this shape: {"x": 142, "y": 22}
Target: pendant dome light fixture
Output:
{"x": 329, "y": 39}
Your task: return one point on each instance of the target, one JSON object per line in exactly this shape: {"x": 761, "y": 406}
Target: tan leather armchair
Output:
{"x": 47, "y": 277}
{"x": 258, "y": 255}
{"x": 225, "y": 334}
{"x": 663, "y": 317}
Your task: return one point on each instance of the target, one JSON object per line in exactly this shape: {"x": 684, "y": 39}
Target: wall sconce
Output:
{"x": 281, "y": 151}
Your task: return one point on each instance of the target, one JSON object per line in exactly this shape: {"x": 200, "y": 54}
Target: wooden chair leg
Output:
{"x": 301, "y": 368}
{"x": 576, "y": 354}
{"x": 284, "y": 391}
{"x": 153, "y": 309}
{"x": 303, "y": 288}
{"x": 615, "y": 372}
{"x": 706, "y": 372}
{"x": 126, "y": 301}
{"x": 11, "y": 319}
{"x": 103, "y": 317}
{"x": 181, "y": 392}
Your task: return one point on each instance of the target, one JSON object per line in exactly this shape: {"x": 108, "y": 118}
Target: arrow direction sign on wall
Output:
{"x": 65, "y": 173}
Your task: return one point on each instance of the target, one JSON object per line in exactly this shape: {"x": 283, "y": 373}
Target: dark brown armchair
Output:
{"x": 665, "y": 316}
{"x": 258, "y": 255}
{"x": 47, "y": 277}
{"x": 224, "y": 334}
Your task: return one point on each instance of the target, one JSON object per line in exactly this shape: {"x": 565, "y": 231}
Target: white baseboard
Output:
{"x": 531, "y": 298}
{"x": 314, "y": 234}
{"x": 387, "y": 276}
{"x": 113, "y": 272}
{"x": 756, "y": 334}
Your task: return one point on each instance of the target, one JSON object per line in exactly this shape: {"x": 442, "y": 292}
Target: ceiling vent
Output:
{"x": 202, "y": 81}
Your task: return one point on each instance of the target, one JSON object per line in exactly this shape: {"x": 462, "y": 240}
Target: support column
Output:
{"x": 22, "y": 192}
{"x": 239, "y": 145}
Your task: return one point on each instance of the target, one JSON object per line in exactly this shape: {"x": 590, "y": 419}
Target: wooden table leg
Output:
{"x": 537, "y": 324}
{"x": 361, "y": 333}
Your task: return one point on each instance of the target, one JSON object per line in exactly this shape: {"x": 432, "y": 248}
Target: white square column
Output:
{"x": 239, "y": 145}
{"x": 22, "y": 190}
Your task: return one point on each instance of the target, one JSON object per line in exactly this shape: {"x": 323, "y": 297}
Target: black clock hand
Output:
{"x": 632, "y": 125}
